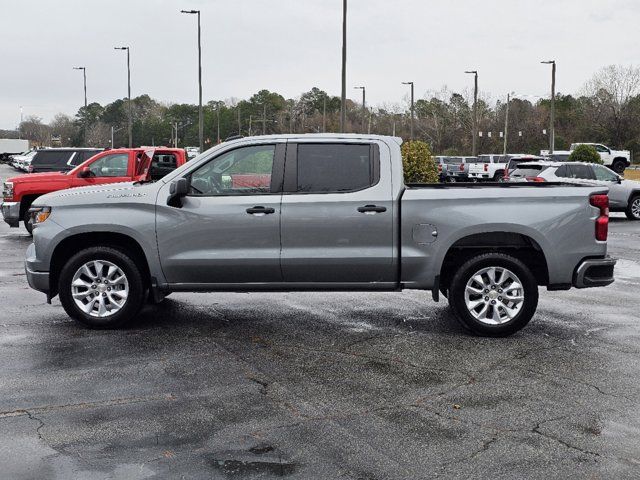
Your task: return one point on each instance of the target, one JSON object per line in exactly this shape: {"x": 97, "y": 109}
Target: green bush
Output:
{"x": 418, "y": 163}
{"x": 585, "y": 153}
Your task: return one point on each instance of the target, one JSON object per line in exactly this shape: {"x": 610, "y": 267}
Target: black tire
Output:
{"x": 122, "y": 260}
{"x": 469, "y": 269}
{"x": 633, "y": 206}
{"x": 619, "y": 166}
{"x": 498, "y": 176}
{"x": 26, "y": 219}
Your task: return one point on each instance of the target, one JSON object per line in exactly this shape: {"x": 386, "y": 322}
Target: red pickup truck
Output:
{"x": 110, "y": 166}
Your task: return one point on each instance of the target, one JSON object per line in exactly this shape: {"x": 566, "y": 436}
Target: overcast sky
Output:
{"x": 289, "y": 46}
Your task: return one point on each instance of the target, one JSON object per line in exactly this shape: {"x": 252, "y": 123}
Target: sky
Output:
{"x": 290, "y": 46}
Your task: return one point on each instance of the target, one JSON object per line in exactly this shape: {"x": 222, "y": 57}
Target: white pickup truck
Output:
{"x": 488, "y": 167}
{"x": 616, "y": 160}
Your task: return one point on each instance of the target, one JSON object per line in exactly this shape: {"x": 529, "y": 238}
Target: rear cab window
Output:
{"x": 331, "y": 167}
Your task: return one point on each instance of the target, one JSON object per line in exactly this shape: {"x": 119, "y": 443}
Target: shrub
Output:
{"x": 418, "y": 163}
{"x": 585, "y": 153}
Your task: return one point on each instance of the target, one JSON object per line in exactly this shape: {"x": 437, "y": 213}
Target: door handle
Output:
{"x": 258, "y": 209}
{"x": 372, "y": 209}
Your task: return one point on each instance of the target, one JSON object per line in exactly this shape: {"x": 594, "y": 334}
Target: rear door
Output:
{"x": 337, "y": 216}
{"x": 228, "y": 228}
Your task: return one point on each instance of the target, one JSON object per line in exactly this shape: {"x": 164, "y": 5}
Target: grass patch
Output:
{"x": 632, "y": 174}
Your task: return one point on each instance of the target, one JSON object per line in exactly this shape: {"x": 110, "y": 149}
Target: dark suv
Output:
{"x": 60, "y": 159}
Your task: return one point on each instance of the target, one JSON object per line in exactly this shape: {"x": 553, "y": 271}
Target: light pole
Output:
{"x": 343, "y": 103}
{"x": 412, "y": 107}
{"x": 552, "y": 131}
{"x": 506, "y": 123}
{"x": 364, "y": 105}
{"x": 130, "y": 119}
{"x": 84, "y": 75}
{"x": 474, "y": 141}
{"x": 200, "y": 112}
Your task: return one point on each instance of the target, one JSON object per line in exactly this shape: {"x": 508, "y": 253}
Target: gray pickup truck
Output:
{"x": 316, "y": 212}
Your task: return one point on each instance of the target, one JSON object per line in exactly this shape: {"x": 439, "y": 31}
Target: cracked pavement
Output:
{"x": 311, "y": 385}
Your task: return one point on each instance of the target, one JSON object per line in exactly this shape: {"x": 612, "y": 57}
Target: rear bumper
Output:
{"x": 594, "y": 272}
{"x": 11, "y": 213}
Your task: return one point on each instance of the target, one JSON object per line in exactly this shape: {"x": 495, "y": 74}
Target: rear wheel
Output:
{"x": 498, "y": 176}
{"x": 633, "y": 209}
{"x": 101, "y": 287}
{"x": 493, "y": 294}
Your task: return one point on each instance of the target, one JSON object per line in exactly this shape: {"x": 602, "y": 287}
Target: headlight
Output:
{"x": 39, "y": 214}
{"x": 7, "y": 191}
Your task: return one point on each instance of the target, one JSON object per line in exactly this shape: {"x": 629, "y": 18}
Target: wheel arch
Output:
{"x": 519, "y": 245}
{"x": 79, "y": 241}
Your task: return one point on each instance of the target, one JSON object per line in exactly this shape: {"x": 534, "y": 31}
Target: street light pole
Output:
{"x": 506, "y": 124}
{"x": 218, "y": 119}
{"x": 130, "y": 119}
{"x": 474, "y": 141}
{"x": 412, "y": 107}
{"x": 552, "y": 130}
{"x": 84, "y": 75}
{"x": 200, "y": 112}
{"x": 364, "y": 105}
{"x": 343, "y": 103}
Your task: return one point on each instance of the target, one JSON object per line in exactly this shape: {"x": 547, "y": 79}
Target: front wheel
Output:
{"x": 493, "y": 294}
{"x": 633, "y": 209}
{"x": 101, "y": 287}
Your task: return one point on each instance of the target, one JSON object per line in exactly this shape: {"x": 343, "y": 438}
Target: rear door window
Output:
{"x": 581, "y": 171}
{"x": 324, "y": 168}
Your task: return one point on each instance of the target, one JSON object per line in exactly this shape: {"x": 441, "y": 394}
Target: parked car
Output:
{"x": 192, "y": 152}
{"x": 111, "y": 166}
{"x": 443, "y": 173}
{"x": 458, "y": 168}
{"x": 616, "y": 160}
{"x": 60, "y": 159}
{"x": 624, "y": 195}
{"x": 317, "y": 212}
{"x": 488, "y": 167}
{"x": 12, "y": 146}
{"x": 23, "y": 160}
{"x": 515, "y": 160}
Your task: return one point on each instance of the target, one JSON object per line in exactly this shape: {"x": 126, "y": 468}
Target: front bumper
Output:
{"x": 11, "y": 213}
{"x": 594, "y": 272}
{"x": 37, "y": 280}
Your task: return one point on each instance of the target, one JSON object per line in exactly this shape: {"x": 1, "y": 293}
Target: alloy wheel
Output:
{"x": 100, "y": 288}
{"x": 494, "y": 295}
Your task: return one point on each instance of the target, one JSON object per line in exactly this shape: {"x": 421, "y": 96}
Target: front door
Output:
{"x": 337, "y": 214}
{"x": 110, "y": 168}
{"x": 228, "y": 228}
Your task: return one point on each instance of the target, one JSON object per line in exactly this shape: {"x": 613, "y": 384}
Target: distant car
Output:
{"x": 16, "y": 160}
{"x": 624, "y": 195}
{"x": 515, "y": 160}
{"x": 616, "y": 160}
{"x": 458, "y": 168}
{"x": 60, "y": 159}
{"x": 192, "y": 152}
{"x": 443, "y": 173}
{"x": 488, "y": 167}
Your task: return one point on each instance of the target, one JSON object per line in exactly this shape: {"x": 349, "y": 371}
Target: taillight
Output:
{"x": 601, "y": 201}
{"x": 535, "y": 179}
{"x": 461, "y": 167}
{"x": 486, "y": 167}
{"x": 30, "y": 169}
{"x": 440, "y": 168}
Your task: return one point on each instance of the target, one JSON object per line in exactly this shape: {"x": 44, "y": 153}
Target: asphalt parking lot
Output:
{"x": 309, "y": 385}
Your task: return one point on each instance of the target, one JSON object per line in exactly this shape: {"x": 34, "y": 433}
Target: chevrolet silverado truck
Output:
{"x": 316, "y": 212}
{"x": 111, "y": 166}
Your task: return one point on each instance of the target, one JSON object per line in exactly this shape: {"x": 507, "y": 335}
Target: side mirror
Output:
{"x": 85, "y": 172}
{"x": 177, "y": 190}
